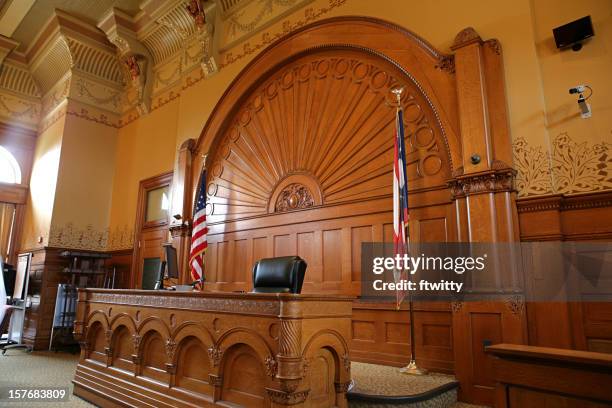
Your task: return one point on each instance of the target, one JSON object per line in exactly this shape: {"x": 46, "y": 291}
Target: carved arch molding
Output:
{"x": 324, "y": 119}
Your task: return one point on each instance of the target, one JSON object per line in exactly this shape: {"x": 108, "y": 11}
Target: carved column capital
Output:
{"x": 215, "y": 380}
{"x": 215, "y": 354}
{"x": 79, "y": 330}
{"x": 489, "y": 181}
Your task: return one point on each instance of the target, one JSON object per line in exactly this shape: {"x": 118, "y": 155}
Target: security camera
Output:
{"x": 585, "y": 108}
{"x": 577, "y": 89}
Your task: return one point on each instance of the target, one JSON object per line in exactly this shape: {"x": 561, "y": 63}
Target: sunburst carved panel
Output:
{"x": 330, "y": 115}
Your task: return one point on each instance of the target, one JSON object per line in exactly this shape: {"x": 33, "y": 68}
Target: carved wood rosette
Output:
{"x": 293, "y": 197}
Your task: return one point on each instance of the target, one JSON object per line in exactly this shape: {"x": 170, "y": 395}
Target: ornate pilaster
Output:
{"x": 290, "y": 363}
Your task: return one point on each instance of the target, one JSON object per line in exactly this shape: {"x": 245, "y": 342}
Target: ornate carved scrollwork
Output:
{"x": 79, "y": 330}
{"x": 516, "y": 304}
{"x": 446, "y": 63}
{"x": 342, "y": 387}
{"x": 84, "y": 345}
{"x": 346, "y": 360}
{"x": 215, "y": 380}
{"x": 271, "y": 366}
{"x": 293, "y": 197}
{"x": 215, "y": 354}
{"x": 490, "y": 181}
{"x": 456, "y": 306}
{"x": 287, "y": 398}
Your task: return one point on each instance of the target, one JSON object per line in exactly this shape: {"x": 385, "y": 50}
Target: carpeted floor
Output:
{"x": 39, "y": 369}
{"x": 374, "y": 379}
{"x": 48, "y": 369}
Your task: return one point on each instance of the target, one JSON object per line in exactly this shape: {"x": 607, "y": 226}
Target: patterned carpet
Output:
{"x": 40, "y": 369}
{"x": 374, "y": 379}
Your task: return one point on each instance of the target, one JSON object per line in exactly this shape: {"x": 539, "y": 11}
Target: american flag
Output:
{"x": 400, "y": 201}
{"x": 198, "y": 234}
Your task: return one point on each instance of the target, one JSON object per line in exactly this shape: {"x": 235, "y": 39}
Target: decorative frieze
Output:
{"x": 490, "y": 181}
{"x": 287, "y": 398}
{"x": 233, "y": 305}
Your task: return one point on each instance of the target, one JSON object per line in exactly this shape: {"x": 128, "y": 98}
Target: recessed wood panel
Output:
{"x": 363, "y": 330}
{"x": 224, "y": 270}
{"x": 486, "y": 329}
{"x": 306, "y": 251}
{"x": 433, "y": 230}
{"x": 332, "y": 256}
{"x": 436, "y": 335}
{"x": 260, "y": 248}
{"x": 192, "y": 373}
{"x": 397, "y": 333}
{"x": 358, "y": 235}
{"x": 122, "y": 348}
{"x": 282, "y": 245}
{"x": 241, "y": 261}
{"x": 322, "y": 376}
{"x": 243, "y": 377}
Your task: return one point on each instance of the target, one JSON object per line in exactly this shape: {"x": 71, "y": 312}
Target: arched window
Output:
{"x": 9, "y": 168}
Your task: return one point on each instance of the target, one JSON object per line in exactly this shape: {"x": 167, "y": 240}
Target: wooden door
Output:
{"x": 151, "y": 229}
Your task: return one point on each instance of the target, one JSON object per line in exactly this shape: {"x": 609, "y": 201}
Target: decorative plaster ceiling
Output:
{"x": 90, "y": 11}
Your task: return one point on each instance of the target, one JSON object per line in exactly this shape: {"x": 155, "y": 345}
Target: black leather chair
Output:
{"x": 279, "y": 275}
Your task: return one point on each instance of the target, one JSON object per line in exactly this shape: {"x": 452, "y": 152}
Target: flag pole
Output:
{"x": 205, "y": 156}
{"x": 412, "y": 367}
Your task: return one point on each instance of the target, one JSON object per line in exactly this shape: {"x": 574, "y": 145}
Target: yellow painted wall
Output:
{"x": 580, "y": 148}
{"x": 39, "y": 209}
{"x": 81, "y": 212}
{"x": 145, "y": 148}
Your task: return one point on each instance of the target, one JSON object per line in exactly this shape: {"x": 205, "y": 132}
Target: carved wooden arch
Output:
{"x": 193, "y": 329}
{"x": 249, "y": 337}
{"x": 125, "y": 320}
{"x": 316, "y": 109}
{"x": 156, "y": 324}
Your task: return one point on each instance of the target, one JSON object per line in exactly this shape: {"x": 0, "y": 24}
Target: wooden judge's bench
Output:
{"x": 167, "y": 349}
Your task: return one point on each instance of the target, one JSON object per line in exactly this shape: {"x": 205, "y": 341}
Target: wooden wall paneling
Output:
{"x": 314, "y": 179}
{"x": 45, "y": 275}
{"x": 574, "y": 217}
{"x": 121, "y": 260}
{"x": 381, "y": 335}
{"x": 475, "y": 326}
{"x": 528, "y": 376}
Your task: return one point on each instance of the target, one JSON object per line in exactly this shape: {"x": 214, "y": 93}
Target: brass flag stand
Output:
{"x": 412, "y": 367}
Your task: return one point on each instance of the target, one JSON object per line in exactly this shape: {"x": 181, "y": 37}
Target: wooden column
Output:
{"x": 483, "y": 191}
{"x": 181, "y": 217}
{"x": 483, "y": 187}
